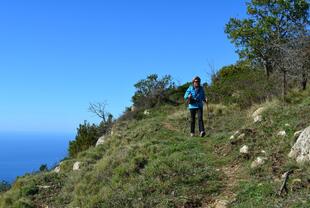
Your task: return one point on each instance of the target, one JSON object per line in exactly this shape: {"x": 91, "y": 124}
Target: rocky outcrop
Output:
{"x": 257, "y": 115}
{"x": 301, "y": 149}
{"x": 244, "y": 150}
{"x": 100, "y": 141}
{"x": 57, "y": 169}
{"x": 76, "y": 166}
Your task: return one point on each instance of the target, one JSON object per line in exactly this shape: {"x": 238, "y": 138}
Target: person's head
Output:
{"x": 196, "y": 81}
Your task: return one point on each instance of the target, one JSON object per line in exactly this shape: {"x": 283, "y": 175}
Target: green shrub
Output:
{"x": 4, "y": 186}
{"x": 87, "y": 136}
{"x": 242, "y": 85}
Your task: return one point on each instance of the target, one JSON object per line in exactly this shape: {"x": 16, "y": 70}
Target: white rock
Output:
{"x": 257, "y": 115}
{"x": 133, "y": 108}
{"x": 100, "y": 141}
{"x": 146, "y": 112}
{"x": 301, "y": 149}
{"x": 234, "y": 135}
{"x": 263, "y": 152}
{"x": 258, "y": 162}
{"x": 287, "y": 125}
{"x": 241, "y": 136}
{"x": 281, "y": 134}
{"x": 258, "y": 119}
{"x": 57, "y": 169}
{"x": 76, "y": 166}
{"x": 44, "y": 187}
{"x": 244, "y": 149}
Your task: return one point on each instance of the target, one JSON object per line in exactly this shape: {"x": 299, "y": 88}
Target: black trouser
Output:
{"x": 200, "y": 119}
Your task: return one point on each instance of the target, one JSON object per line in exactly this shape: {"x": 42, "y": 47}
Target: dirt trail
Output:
{"x": 227, "y": 195}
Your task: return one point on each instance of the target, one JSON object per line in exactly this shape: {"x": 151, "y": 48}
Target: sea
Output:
{"x": 22, "y": 153}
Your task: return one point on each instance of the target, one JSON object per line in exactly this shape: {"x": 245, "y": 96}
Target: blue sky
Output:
{"x": 56, "y": 56}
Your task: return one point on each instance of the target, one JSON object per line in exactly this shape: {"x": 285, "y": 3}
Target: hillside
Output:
{"x": 152, "y": 162}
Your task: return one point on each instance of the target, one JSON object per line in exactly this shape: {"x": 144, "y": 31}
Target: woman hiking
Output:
{"x": 195, "y": 96}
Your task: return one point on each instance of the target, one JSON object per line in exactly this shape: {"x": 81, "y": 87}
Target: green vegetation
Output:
{"x": 148, "y": 159}
{"x": 152, "y": 162}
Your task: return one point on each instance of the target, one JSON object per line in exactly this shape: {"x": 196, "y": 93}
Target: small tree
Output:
{"x": 43, "y": 168}
{"x": 292, "y": 60}
{"x": 152, "y": 91}
{"x": 99, "y": 109}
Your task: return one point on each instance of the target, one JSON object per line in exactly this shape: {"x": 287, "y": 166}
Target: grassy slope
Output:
{"x": 153, "y": 163}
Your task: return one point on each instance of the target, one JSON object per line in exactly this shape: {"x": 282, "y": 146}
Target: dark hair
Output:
{"x": 197, "y": 78}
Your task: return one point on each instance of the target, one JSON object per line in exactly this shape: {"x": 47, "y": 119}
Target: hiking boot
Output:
{"x": 202, "y": 134}
{"x": 192, "y": 134}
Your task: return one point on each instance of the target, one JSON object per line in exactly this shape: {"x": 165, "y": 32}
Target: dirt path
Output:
{"x": 227, "y": 195}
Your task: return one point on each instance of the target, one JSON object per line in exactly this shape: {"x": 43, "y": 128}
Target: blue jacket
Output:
{"x": 198, "y": 95}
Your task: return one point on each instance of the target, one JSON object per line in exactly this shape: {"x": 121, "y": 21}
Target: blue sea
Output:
{"x": 22, "y": 153}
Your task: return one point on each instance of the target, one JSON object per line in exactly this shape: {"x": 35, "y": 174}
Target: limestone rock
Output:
{"x": 133, "y": 108}
{"x": 301, "y": 149}
{"x": 76, "y": 166}
{"x": 241, "y": 136}
{"x": 258, "y": 162}
{"x": 234, "y": 135}
{"x": 257, "y": 115}
{"x": 244, "y": 149}
{"x": 100, "y": 141}
{"x": 282, "y": 134}
{"x": 57, "y": 169}
{"x": 258, "y": 119}
{"x": 146, "y": 112}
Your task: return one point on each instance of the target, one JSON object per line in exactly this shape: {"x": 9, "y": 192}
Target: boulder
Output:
{"x": 301, "y": 149}
{"x": 257, "y": 115}
{"x": 258, "y": 162}
{"x": 76, "y": 166}
{"x": 100, "y": 141}
{"x": 244, "y": 149}
{"x": 57, "y": 169}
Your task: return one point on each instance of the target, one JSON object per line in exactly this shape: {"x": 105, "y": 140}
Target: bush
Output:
{"x": 4, "y": 186}
{"x": 87, "y": 136}
{"x": 241, "y": 84}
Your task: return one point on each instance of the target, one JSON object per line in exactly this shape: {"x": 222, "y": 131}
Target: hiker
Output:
{"x": 195, "y": 96}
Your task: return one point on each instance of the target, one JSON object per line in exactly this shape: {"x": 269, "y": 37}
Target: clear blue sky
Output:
{"x": 56, "y": 56}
